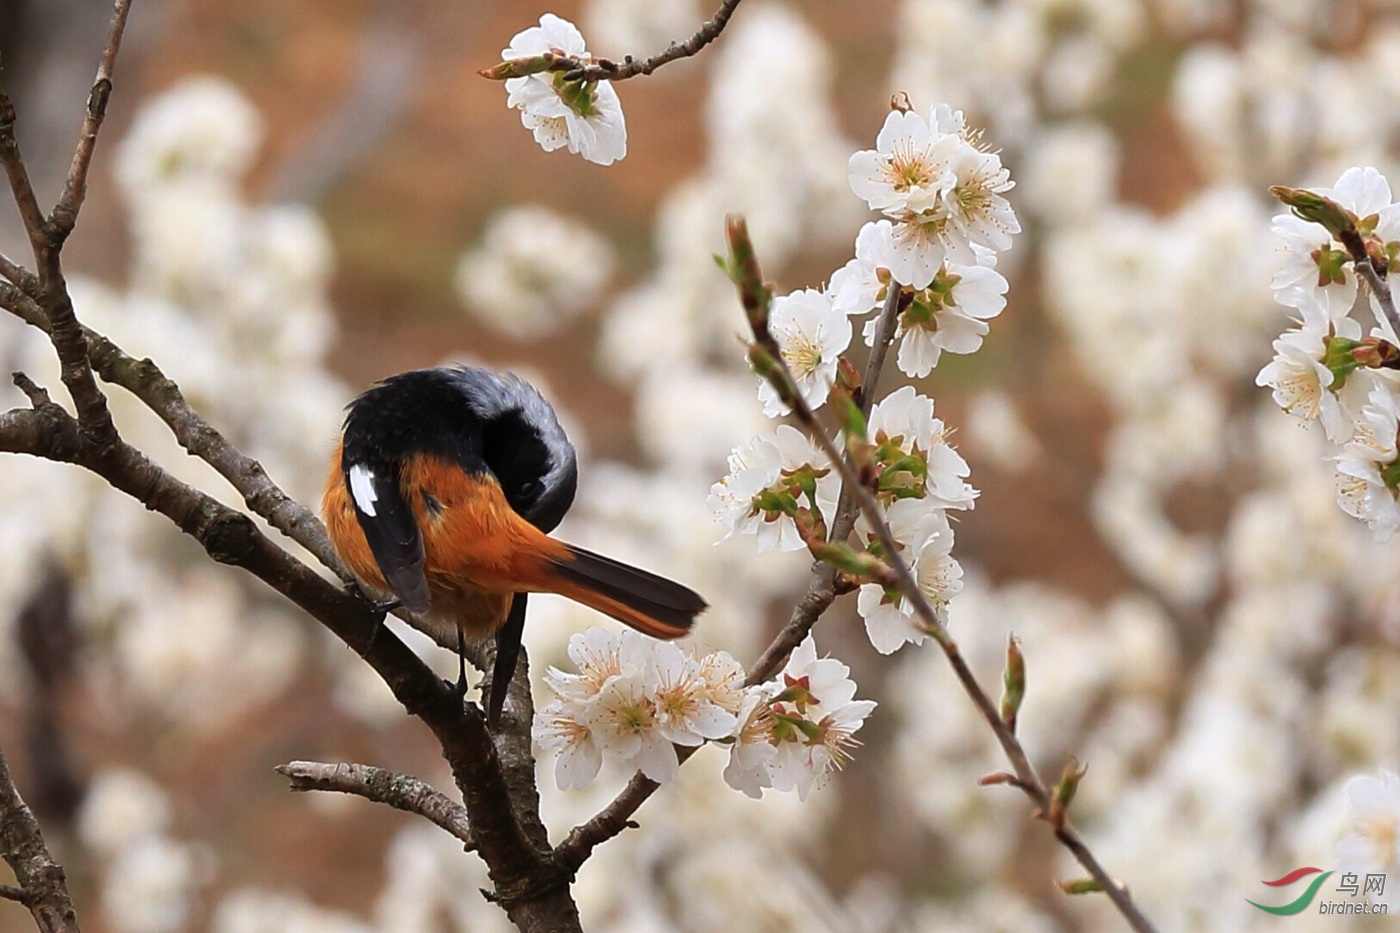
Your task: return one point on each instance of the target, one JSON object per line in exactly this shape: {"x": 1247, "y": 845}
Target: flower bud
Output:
{"x": 1317, "y": 209}
{"x": 1079, "y": 886}
{"x": 1013, "y": 682}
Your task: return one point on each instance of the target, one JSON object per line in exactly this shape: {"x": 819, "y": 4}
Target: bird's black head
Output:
{"x": 479, "y": 419}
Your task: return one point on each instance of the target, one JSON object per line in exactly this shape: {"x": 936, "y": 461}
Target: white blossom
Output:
{"x": 943, "y": 193}
{"x": 1312, "y": 259}
{"x": 1371, "y": 842}
{"x": 758, "y": 467}
{"x": 632, "y": 700}
{"x": 975, "y": 204}
{"x": 904, "y": 418}
{"x": 586, "y": 118}
{"x": 816, "y": 719}
{"x": 910, "y": 167}
{"x": 922, "y": 530}
{"x": 951, "y": 314}
{"x": 859, "y": 286}
{"x": 811, "y": 335}
{"x": 1302, "y": 382}
{"x": 752, "y": 750}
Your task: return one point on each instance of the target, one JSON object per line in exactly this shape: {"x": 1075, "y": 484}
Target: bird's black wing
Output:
{"x": 390, "y": 529}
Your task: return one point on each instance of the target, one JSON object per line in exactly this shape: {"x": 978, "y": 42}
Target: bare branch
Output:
{"x": 43, "y": 888}
{"x": 145, "y": 380}
{"x": 606, "y": 70}
{"x": 529, "y": 886}
{"x": 19, "y": 275}
{"x": 9, "y": 893}
{"x": 20, "y": 186}
{"x": 380, "y": 785}
{"x": 65, "y": 212}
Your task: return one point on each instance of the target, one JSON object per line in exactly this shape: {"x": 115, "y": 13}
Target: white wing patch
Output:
{"x": 362, "y": 488}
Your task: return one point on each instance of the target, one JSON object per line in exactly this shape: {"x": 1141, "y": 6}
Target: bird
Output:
{"x": 442, "y": 492}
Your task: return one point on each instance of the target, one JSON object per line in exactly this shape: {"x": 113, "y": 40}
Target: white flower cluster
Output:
{"x": 946, "y": 220}
{"x": 633, "y": 701}
{"x": 1316, "y": 373}
{"x": 586, "y": 117}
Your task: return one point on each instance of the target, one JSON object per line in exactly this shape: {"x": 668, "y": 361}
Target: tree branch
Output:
{"x": 43, "y": 888}
{"x": 20, "y": 186}
{"x": 380, "y": 785}
{"x": 528, "y": 884}
{"x": 607, "y": 70}
{"x": 65, "y": 212}
{"x": 1026, "y": 777}
{"x": 145, "y": 380}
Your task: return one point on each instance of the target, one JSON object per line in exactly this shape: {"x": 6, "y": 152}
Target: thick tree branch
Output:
{"x": 43, "y": 887}
{"x": 528, "y": 885}
{"x": 381, "y": 785}
{"x": 17, "y": 274}
{"x": 46, "y": 237}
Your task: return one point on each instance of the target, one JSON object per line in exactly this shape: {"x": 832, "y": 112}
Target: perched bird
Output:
{"x": 442, "y": 492}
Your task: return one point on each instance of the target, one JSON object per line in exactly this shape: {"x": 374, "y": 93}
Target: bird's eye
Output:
{"x": 527, "y": 489}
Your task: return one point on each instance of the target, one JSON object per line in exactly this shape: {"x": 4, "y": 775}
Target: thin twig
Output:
{"x": 1027, "y": 778}
{"x": 606, "y": 70}
{"x": 13, "y": 894}
{"x": 1379, "y": 285}
{"x": 43, "y": 887}
{"x": 20, "y": 186}
{"x": 19, "y": 275}
{"x": 400, "y": 791}
{"x": 145, "y": 380}
{"x": 65, "y": 212}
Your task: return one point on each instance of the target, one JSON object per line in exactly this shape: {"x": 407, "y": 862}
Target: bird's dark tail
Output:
{"x": 650, "y": 604}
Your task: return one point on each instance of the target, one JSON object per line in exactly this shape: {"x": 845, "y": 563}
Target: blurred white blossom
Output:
{"x": 533, "y": 271}
{"x": 1370, "y": 844}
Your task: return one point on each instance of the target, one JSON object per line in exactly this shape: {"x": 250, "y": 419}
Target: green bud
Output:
{"x": 519, "y": 67}
{"x": 1317, "y": 209}
{"x": 1080, "y": 886}
{"x": 1331, "y": 266}
{"x": 1069, "y": 784}
{"x": 1390, "y": 473}
{"x": 755, "y": 295}
{"x": 1340, "y": 356}
{"x": 1013, "y": 682}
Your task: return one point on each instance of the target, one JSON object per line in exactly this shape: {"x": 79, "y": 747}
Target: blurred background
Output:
{"x": 291, "y": 200}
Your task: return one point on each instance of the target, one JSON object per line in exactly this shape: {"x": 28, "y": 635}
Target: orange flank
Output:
{"x": 474, "y": 536}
